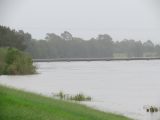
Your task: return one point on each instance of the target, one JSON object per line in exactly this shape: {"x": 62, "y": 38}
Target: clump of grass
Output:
{"x": 60, "y": 95}
{"x": 77, "y": 97}
{"x": 80, "y": 97}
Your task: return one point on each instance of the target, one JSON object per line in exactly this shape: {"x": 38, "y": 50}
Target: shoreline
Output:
{"x": 9, "y": 90}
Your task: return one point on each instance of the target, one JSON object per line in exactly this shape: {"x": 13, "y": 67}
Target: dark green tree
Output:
{"x": 12, "y": 38}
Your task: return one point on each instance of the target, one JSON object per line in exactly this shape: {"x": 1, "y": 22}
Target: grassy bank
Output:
{"x": 19, "y": 105}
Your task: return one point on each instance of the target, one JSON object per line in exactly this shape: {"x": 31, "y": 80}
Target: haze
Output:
{"x": 136, "y": 19}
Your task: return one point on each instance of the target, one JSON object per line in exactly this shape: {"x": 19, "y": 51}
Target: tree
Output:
{"x": 66, "y": 35}
{"x": 105, "y": 45}
{"x": 12, "y": 38}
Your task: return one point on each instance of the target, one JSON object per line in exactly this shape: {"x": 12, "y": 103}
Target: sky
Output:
{"x": 131, "y": 19}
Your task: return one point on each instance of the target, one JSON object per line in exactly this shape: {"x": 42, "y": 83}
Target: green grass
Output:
{"x": 19, "y": 105}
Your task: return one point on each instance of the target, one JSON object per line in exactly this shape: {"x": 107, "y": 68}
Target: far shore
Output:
{"x": 94, "y": 59}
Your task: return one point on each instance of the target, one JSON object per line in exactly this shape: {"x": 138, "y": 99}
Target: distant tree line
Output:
{"x": 67, "y": 46}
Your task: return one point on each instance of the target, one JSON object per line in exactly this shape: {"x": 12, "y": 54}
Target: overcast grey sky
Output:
{"x": 137, "y": 19}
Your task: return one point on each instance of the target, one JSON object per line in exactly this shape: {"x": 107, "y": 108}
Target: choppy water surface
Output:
{"x": 118, "y": 86}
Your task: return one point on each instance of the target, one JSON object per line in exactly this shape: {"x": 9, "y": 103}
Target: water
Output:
{"x": 123, "y": 87}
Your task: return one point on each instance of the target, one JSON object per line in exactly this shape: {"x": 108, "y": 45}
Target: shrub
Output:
{"x": 15, "y": 62}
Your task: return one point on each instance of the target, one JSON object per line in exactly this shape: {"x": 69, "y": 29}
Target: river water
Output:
{"x": 122, "y": 87}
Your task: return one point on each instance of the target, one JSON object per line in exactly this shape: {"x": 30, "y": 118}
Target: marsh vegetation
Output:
{"x": 77, "y": 97}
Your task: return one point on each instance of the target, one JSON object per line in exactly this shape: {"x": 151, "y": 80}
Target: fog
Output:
{"x": 136, "y": 19}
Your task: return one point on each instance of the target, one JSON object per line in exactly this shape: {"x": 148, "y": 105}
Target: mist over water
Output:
{"x": 123, "y": 87}
{"x": 113, "y": 28}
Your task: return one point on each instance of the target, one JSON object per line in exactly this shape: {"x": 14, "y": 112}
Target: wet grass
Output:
{"x": 78, "y": 97}
{"x": 19, "y": 105}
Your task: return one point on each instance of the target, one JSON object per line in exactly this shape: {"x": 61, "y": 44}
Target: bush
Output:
{"x": 15, "y": 62}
